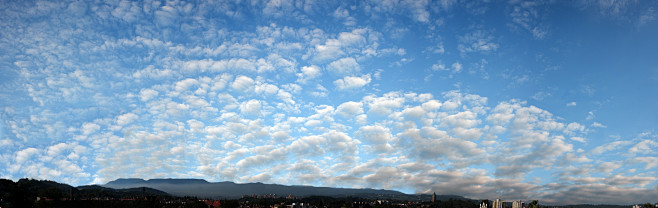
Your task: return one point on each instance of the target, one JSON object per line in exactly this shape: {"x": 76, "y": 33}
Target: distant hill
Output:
{"x": 160, "y": 192}
{"x": 44, "y": 188}
{"x": 129, "y": 181}
{"x": 205, "y": 189}
{"x": 24, "y": 192}
{"x": 428, "y": 197}
{"x": 100, "y": 190}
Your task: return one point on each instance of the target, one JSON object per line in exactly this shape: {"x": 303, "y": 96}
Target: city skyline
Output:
{"x": 523, "y": 100}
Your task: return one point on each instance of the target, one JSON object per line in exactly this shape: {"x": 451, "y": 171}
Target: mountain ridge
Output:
{"x": 159, "y": 180}
{"x": 228, "y": 189}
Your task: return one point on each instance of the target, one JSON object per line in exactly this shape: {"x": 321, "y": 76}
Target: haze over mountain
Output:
{"x": 205, "y": 189}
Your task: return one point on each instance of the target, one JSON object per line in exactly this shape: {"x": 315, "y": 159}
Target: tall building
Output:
{"x": 497, "y": 204}
{"x": 485, "y": 204}
{"x": 434, "y": 197}
{"x": 517, "y": 204}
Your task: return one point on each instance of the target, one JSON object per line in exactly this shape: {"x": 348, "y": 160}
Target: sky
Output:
{"x": 548, "y": 100}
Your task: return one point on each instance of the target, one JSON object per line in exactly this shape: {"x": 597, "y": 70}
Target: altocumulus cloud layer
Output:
{"x": 473, "y": 99}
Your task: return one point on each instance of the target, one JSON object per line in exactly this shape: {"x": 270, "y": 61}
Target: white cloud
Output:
{"x": 610, "y": 146}
{"x": 587, "y": 90}
{"x": 344, "y": 66}
{"x": 279, "y": 63}
{"x": 350, "y": 109}
{"x": 233, "y": 64}
{"x": 262, "y": 177}
{"x": 649, "y": 162}
{"x": 644, "y": 147}
{"x": 56, "y": 149}
{"x": 541, "y": 95}
{"x": 503, "y": 113}
{"x": 243, "y": 84}
{"x": 343, "y": 144}
{"x": 385, "y": 104}
{"x": 595, "y": 194}
{"x": 456, "y": 67}
{"x": 578, "y": 139}
{"x": 464, "y": 119}
{"x": 528, "y": 15}
{"x": 184, "y": 85}
{"x": 573, "y": 128}
{"x": 590, "y": 115}
{"x": 612, "y": 8}
{"x": 89, "y": 128}
{"x": 6, "y": 143}
{"x": 607, "y": 167}
{"x": 25, "y": 154}
{"x": 77, "y": 8}
{"x": 640, "y": 181}
{"x": 292, "y": 88}
{"x": 341, "y": 13}
{"x": 418, "y": 10}
{"x": 126, "y": 119}
{"x": 426, "y": 140}
{"x": 278, "y": 8}
{"x": 219, "y": 82}
{"x": 571, "y": 104}
{"x": 195, "y": 125}
{"x": 349, "y": 82}
{"x": 647, "y": 16}
{"x": 321, "y": 91}
{"x": 228, "y": 100}
{"x": 266, "y": 88}
{"x": 153, "y": 73}
{"x": 358, "y": 41}
{"x": 175, "y": 109}
{"x": 330, "y": 50}
{"x": 128, "y": 11}
{"x": 477, "y": 41}
{"x": 308, "y": 146}
{"x": 166, "y": 16}
{"x": 147, "y": 94}
{"x": 69, "y": 168}
{"x": 431, "y": 105}
{"x": 598, "y": 125}
{"x": 308, "y": 73}
{"x": 380, "y": 137}
{"x": 353, "y": 38}
{"x": 439, "y": 67}
{"x": 251, "y": 107}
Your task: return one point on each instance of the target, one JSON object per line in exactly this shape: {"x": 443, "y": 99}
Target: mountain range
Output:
{"x": 23, "y": 193}
{"x": 204, "y": 189}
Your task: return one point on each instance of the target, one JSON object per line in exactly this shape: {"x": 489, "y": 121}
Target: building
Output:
{"x": 497, "y": 204}
{"x": 485, "y": 203}
{"x": 517, "y": 204}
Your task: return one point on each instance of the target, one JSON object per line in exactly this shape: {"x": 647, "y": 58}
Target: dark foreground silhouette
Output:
{"x": 136, "y": 193}
{"x": 43, "y": 193}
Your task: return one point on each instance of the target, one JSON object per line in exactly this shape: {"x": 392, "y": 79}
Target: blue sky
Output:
{"x": 544, "y": 100}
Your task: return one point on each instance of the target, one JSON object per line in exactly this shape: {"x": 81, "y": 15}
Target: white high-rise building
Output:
{"x": 498, "y": 204}
{"x": 517, "y": 204}
{"x": 485, "y": 204}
